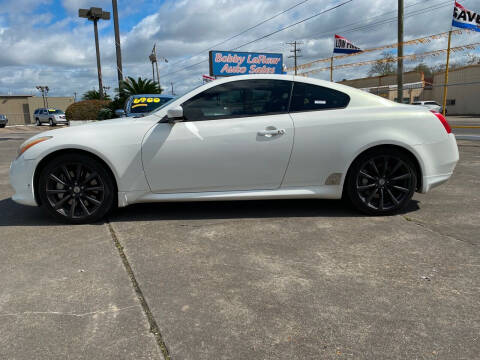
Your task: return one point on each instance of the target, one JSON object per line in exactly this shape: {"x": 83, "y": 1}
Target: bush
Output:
{"x": 105, "y": 114}
{"x": 86, "y": 110}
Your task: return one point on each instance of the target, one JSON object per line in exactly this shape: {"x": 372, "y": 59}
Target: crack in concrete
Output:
{"x": 154, "y": 329}
{"x": 68, "y": 314}
{"x": 426, "y": 227}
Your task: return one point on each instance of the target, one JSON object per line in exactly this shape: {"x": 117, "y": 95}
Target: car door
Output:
{"x": 44, "y": 115}
{"x": 235, "y": 136}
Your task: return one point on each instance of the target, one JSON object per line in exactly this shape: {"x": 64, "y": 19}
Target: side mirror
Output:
{"x": 175, "y": 114}
{"x": 120, "y": 112}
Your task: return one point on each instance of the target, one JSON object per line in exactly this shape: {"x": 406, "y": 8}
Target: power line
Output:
{"x": 269, "y": 34}
{"x": 244, "y": 31}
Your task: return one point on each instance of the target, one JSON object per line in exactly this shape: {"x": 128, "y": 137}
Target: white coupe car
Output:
{"x": 242, "y": 138}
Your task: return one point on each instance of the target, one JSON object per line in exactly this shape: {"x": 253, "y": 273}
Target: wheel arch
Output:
{"x": 41, "y": 165}
{"x": 409, "y": 152}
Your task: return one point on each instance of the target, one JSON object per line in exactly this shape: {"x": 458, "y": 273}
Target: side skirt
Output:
{"x": 320, "y": 192}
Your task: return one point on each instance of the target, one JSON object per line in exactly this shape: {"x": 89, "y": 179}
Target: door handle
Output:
{"x": 270, "y": 133}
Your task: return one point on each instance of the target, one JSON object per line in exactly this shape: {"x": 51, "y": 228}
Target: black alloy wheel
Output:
{"x": 76, "y": 189}
{"x": 51, "y": 123}
{"x": 37, "y": 122}
{"x": 382, "y": 183}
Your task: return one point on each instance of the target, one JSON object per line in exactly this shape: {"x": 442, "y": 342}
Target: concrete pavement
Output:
{"x": 235, "y": 280}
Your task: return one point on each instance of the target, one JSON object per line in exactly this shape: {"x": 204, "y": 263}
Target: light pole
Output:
{"x": 117, "y": 43}
{"x": 400, "y": 53}
{"x": 94, "y": 14}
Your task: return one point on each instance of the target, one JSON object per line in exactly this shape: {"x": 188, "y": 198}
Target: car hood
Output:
{"x": 95, "y": 127}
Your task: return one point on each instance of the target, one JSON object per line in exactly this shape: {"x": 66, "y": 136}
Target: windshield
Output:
{"x": 146, "y": 104}
{"x": 55, "y": 111}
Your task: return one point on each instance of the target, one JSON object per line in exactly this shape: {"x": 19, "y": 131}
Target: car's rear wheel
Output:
{"x": 2, "y": 125}
{"x": 37, "y": 122}
{"x": 381, "y": 182}
{"x": 76, "y": 188}
{"x": 51, "y": 123}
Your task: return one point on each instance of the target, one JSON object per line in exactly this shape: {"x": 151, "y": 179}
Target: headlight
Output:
{"x": 31, "y": 143}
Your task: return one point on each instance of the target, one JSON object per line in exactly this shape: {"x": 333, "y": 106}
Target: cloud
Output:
{"x": 56, "y": 48}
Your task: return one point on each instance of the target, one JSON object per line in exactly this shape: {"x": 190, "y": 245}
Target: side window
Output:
{"x": 241, "y": 98}
{"x": 308, "y": 97}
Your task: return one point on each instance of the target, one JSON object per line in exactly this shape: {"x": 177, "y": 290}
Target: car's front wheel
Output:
{"x": 76, "y": 188}
{"x": 381, "y": 182}
{"x": 37, "y": 122}
{"x": 51, "y": 123}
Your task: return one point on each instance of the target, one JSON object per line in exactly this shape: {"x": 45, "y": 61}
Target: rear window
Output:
{"x": 308, "y": 97}
{"x": 430, "y": 103}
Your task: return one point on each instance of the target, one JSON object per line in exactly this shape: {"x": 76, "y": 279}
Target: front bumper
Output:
{"x": 439, "y": 161}
{"x": 21, "y": 179}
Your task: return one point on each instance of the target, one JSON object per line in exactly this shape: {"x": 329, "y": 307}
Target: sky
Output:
{"x": 44, "y": 42}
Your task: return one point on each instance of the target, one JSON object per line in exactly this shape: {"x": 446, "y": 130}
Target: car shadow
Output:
{"x": 240, "y": 210}
{"x": 14, "y": 214}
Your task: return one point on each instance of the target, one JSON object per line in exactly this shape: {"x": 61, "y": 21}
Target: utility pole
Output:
{"x": 44, "y": 90}
{"x": 400, "y": 53}
{"x": 153, "y": 60}
{"x": 117, "y": 43}
{"x": 295, "y": 52}
{"x": 94, "y": 14}
{"x": 171, "y": 83}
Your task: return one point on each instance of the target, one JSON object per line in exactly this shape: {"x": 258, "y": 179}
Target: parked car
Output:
{"x": 50, "y": 116}
{"x": 242, "y": 138}
{"x": 431, "y": 105}
{"x": 143, "y": 104}
{"x": 3, "y": 121}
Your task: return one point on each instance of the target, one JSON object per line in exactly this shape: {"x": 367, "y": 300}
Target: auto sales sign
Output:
{"x": 464, "y": 18}
{"x": 227, "y": 63}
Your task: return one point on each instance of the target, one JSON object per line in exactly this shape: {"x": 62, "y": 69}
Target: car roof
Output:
{"x": 358, "y": 97}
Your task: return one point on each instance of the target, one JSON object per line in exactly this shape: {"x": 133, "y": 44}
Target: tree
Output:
{"x": 422, "y": 67}
{"x": 94, "y": 95}
{"x": 383, "y": 66}
{"x": 130, "y": 86}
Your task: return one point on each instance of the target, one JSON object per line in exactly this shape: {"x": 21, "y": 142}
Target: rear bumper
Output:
{"x": 439, "y": 161}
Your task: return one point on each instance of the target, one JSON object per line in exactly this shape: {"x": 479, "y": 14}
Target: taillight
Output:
{"x": 444, "y": 121}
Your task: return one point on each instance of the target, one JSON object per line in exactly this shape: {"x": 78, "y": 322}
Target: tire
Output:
{"x": 51, "y": 123}
{"x": 381, "y": 182}
{"x": 76, "y": 189}
{"x": 2, "y": 126}
{"x": 37, "y": 122}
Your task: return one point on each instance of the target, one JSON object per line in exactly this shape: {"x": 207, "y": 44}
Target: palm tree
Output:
{"x": 94, "y": 95}
{"x": 130, "y": 86}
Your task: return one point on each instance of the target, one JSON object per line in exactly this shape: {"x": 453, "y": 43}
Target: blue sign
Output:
{"x": 227, "y": 63}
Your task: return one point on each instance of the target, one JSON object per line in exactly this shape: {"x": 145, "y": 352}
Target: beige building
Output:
{"x": 463, "y": 96}
{"x": 19, "y": 108}
{"x": 463, "y": 90}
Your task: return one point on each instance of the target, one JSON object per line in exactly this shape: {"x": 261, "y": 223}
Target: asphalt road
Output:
{"x": 244, "y": 280}
{"x": 465, "y": 127}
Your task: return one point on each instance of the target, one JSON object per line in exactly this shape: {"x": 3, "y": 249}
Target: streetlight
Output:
{"x": 94, "y": 14}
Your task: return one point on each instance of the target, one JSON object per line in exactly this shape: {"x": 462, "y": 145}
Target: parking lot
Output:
{"x": 303, "y": 279}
